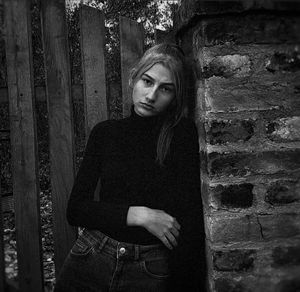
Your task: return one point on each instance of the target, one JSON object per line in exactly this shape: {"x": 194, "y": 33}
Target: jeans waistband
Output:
{"x": 124, "y": 250}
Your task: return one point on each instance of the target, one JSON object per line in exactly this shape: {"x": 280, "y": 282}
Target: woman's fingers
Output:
{"x": 175, "y": 232}
{"x": 172, "y": 240}
{"x": 166, "y": 242}
{"x": 176, "y": 224}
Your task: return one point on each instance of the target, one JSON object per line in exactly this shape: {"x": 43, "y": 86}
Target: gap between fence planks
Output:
{"x": 93, "y": 65}
{"x": 132, "y": 48}
{"x": 23, "y": 144}
{"x": 58, "y": 84}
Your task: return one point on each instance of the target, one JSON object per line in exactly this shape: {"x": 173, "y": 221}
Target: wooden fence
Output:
{"x": 21, "y": 96}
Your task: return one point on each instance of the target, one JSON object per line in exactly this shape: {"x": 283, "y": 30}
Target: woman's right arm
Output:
{"x": 82, "y": 210}
{"x": 157, "y": 222}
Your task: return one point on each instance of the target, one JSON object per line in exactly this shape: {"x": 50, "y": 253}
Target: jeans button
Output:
{"x": 122, "y": 250}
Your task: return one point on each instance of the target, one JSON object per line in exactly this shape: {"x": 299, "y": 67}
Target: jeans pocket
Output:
{"x": 81, "y": 247}
{"x": 156, "y": 268}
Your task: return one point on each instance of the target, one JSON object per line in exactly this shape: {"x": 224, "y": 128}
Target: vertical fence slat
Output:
{"x": 23, "y": 144}
{"x": 132, "y": 46}
{"x": 2, "y": 263}
{"x": 92, "y": 35}
{"x": 58, "y": 88}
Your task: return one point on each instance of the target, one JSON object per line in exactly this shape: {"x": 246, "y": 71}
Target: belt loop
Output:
{"x": 136, "y": 252}
{"x": 103, "y": 242}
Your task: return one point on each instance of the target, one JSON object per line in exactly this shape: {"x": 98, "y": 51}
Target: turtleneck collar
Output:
{"x": 152, "y": 123}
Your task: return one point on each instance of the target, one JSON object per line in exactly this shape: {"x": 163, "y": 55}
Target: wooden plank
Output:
{"x": 92, "y": 37}
{"x": 23, "y": 144}
{"x": 61, "y": 136}
{"x": 2, "y": 263}
{"x": 132, "y": 47}
{"x": 40, "y": 93}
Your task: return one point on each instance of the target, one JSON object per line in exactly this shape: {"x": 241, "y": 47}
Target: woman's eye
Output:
{"x": 146, "y": 81}
{"x": 166, "y": 89}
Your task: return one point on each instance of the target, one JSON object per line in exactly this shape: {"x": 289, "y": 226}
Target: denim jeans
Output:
{"x": 99, "y": 263}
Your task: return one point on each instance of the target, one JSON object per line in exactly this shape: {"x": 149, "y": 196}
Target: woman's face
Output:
{"x": 154, "y": 92}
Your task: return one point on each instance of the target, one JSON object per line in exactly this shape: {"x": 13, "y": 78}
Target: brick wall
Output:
{"x": 247, "y": 110}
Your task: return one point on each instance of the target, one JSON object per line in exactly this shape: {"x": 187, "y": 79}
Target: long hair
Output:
{"x": 172, "y": 57}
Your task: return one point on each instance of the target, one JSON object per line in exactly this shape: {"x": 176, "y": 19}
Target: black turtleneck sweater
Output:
{"x": 122, "y": 154}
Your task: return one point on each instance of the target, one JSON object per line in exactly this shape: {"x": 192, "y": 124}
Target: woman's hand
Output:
{"x": 159, "y": 223}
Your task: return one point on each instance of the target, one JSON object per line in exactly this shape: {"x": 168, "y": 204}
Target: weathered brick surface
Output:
{"x": 248, "y": 115}
{"x": 231, "y": 196}
{"x": 289, "y": 285}
{"x": 229, "y": 131}
{"x": 269, "y": 82}
{"x": 234, "y": 260}
{"x": 284, "y": 129}
{"x": 226, "y": 228}
{"x": 244, "y": 164}
{"x": 257, "y": 283}
{"x": 279, "y": 225}
{"x": 226, "y": 285}
{"x": 248, "y": 29}
{"x": 286, "y": 256}
{"x": 283, "y": 192}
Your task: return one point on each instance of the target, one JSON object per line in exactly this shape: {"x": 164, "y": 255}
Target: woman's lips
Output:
{"x": 147, "y": 106}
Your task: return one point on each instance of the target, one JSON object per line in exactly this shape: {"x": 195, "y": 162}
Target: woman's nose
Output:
{"x": 151, "y": 95}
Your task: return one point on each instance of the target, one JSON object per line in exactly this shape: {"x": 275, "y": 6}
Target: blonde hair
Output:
{"x": 172, "y": 57}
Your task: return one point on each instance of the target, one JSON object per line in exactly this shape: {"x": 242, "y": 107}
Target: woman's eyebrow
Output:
{"x": 151, "y": 78}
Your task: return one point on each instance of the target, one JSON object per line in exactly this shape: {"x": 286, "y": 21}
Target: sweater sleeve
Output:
{"x": 82, "y": 209}
{"x": 188, "y": 262}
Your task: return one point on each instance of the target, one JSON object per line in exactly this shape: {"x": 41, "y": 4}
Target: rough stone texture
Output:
{"x": 279, "y": 225}
{"x": 286, "y": 256}
{"x": 245, "y": 164}
{"x": 264, "y": 29}
{"x": 283, "y": 192}
{"x": 231, "y": 196}
{"x": 229, "y": 285}
{"x": 229, "y": 131}
{"x": 234, "y": 260}
{"x": 225, "y": 228}
{"x": 284, "y": 129}
{"x": 229, "y": 228}
{"x": 257, "y": 87}
{"x": 247, "y": 55}
{"x": 289, "y": 285}
{"x": 190, "y": 10}
{"x": 228, "y": 66}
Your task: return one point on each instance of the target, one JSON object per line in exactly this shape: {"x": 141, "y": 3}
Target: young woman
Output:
{"x": 146, "y": 232}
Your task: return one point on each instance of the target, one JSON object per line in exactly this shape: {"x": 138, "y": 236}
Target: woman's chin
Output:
{"x": 144, "y": 112}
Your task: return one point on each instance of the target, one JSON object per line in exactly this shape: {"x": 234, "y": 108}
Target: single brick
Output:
{"x": 251, "y": 28}
{"x": 234, "y": 260}
{"x": 283, "y": 192}
{"x": 252, "y": 227}
{"x": 228, "y": 66}
{"x": 279, "y": 225}
{"x": 289, "y": 285}
{"x": 257, "y": 92}
{"x": 229, "y": 131}
{"x": 227, "y": 229}
{"x": 229, "y": 285}
{"x": 286, "y": 256}
{"x": 232, "y": 196}
{"x": 289, "y": 62}
{"x": 244, "y": 164}
{"x": 284, "y": 129}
